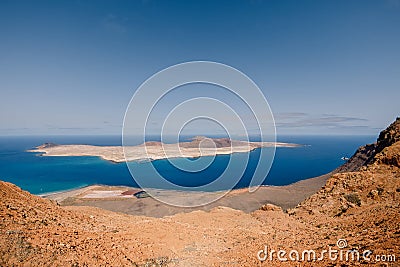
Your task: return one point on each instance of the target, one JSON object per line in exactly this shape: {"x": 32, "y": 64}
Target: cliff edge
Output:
{"x": 365, "y": 154}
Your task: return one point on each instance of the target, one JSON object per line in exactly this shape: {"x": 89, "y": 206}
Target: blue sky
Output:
{"x": 326, "y": 67}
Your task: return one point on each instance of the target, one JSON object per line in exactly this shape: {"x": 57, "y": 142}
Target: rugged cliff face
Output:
{"x": 361, "y": 208}
{"x": 365, "y": 154}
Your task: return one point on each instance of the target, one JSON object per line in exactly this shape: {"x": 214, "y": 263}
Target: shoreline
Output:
{"x": 113, "y": 198}
{"x": 40, "y": 153}
{"x": 77, "y": 190}
{"x": 198, "y": 147}
{"x": 62, "y": 191}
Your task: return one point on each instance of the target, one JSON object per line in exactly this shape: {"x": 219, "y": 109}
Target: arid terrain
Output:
{"x": 356, "y": 209}
{"x": 199, "y": 146}
{"x": 121, "y": 198}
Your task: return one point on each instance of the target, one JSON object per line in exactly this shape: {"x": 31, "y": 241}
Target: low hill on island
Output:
{"x": 151, "y": 150}
{"x": 356, "y": 213}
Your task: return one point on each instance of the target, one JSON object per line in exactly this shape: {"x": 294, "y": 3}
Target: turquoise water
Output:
{"x": 49, "y": 174}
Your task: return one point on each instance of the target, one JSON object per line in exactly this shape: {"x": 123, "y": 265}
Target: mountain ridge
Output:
{"x": 365, "y": 154}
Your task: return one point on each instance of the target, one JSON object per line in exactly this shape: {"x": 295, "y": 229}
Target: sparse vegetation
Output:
{"x": 353, "y": 198}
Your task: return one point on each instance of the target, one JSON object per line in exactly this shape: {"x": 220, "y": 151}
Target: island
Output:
{"x": 199, "y": 146}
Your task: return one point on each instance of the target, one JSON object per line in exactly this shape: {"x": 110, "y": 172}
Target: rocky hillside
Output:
{"x": 360, "y": 208}
{"x": 37, "y": 232}
{"x": 365, "y": 154}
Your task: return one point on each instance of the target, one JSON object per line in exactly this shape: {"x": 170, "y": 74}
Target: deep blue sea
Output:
{"x": 39, "y": 175}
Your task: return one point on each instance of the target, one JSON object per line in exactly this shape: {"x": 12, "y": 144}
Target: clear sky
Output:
{"x": 326, "y": 67}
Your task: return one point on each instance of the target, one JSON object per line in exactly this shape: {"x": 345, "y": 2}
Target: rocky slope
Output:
{"x": 360, "y": 207}
{"x": 37, "y": 232}
{"x": 365, "y": 154}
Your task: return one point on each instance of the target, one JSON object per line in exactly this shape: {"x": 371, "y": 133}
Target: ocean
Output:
{"x": 40, "y": 175}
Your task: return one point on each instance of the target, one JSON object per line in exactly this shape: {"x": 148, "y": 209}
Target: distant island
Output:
{"x": 199, "y": 146}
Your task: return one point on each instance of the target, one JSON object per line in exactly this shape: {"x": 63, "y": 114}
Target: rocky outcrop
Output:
{"x": 365, "y": 154}
{"x": 361, "y": 205}
{"x": 202, "y": 141}
{"x": 389, "y": 155}
{"x": 47, "y": 145}
{"x": 362, "y": 156}
{"x": 270, "y": 207}
{"x": 389, "y": 136}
